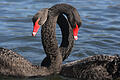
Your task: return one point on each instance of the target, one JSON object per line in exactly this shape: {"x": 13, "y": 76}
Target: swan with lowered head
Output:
{"x": 101, "y": 67}
{"x": 50, "y": 25}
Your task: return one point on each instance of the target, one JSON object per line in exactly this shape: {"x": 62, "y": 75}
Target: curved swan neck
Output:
{"x": 67, "y": 36}
{"x": 67, "y": 39}
{"x": 61, "y": 9}
{"x": 71, "y": 13}
{"x": 50, "y": 43}
{"x": 49, "y": 32}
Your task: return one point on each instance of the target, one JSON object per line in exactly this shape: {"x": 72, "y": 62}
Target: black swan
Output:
{"x": 99, "y": 67}
{"x": 67, "y": 33}
{"x": 14, "y": 64}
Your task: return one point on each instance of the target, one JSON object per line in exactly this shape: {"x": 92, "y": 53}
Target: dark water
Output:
{"x": 99, "y": 33}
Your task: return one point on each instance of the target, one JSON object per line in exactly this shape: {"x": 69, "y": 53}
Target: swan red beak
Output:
{"x": 36, "y": 27}
{"x": 75, "y": 32}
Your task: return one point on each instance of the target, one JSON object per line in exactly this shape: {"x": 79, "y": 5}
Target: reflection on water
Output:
{"x": 99, "y": 33}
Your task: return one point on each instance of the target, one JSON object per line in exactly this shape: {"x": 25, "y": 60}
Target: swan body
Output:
{"x": 98, "y": 67}
{"x": 13, "y": 64}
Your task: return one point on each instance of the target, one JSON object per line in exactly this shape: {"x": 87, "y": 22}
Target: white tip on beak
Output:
{"x": 75, "y": 37}
{"x": 34, "y": 33}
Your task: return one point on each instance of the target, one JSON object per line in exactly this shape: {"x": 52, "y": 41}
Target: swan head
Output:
{"x": 39, "y": 19}
{"x": 75, "y": 22}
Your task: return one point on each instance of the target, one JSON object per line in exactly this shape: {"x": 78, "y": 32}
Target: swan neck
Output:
{"x": 50, "y": 43}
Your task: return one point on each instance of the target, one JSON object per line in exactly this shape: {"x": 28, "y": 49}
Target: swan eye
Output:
{"x": 35, "y": 19}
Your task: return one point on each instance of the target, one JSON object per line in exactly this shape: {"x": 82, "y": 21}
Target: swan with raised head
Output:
{"x": 50, "y": 25}
{"x": 13, "y": 64}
